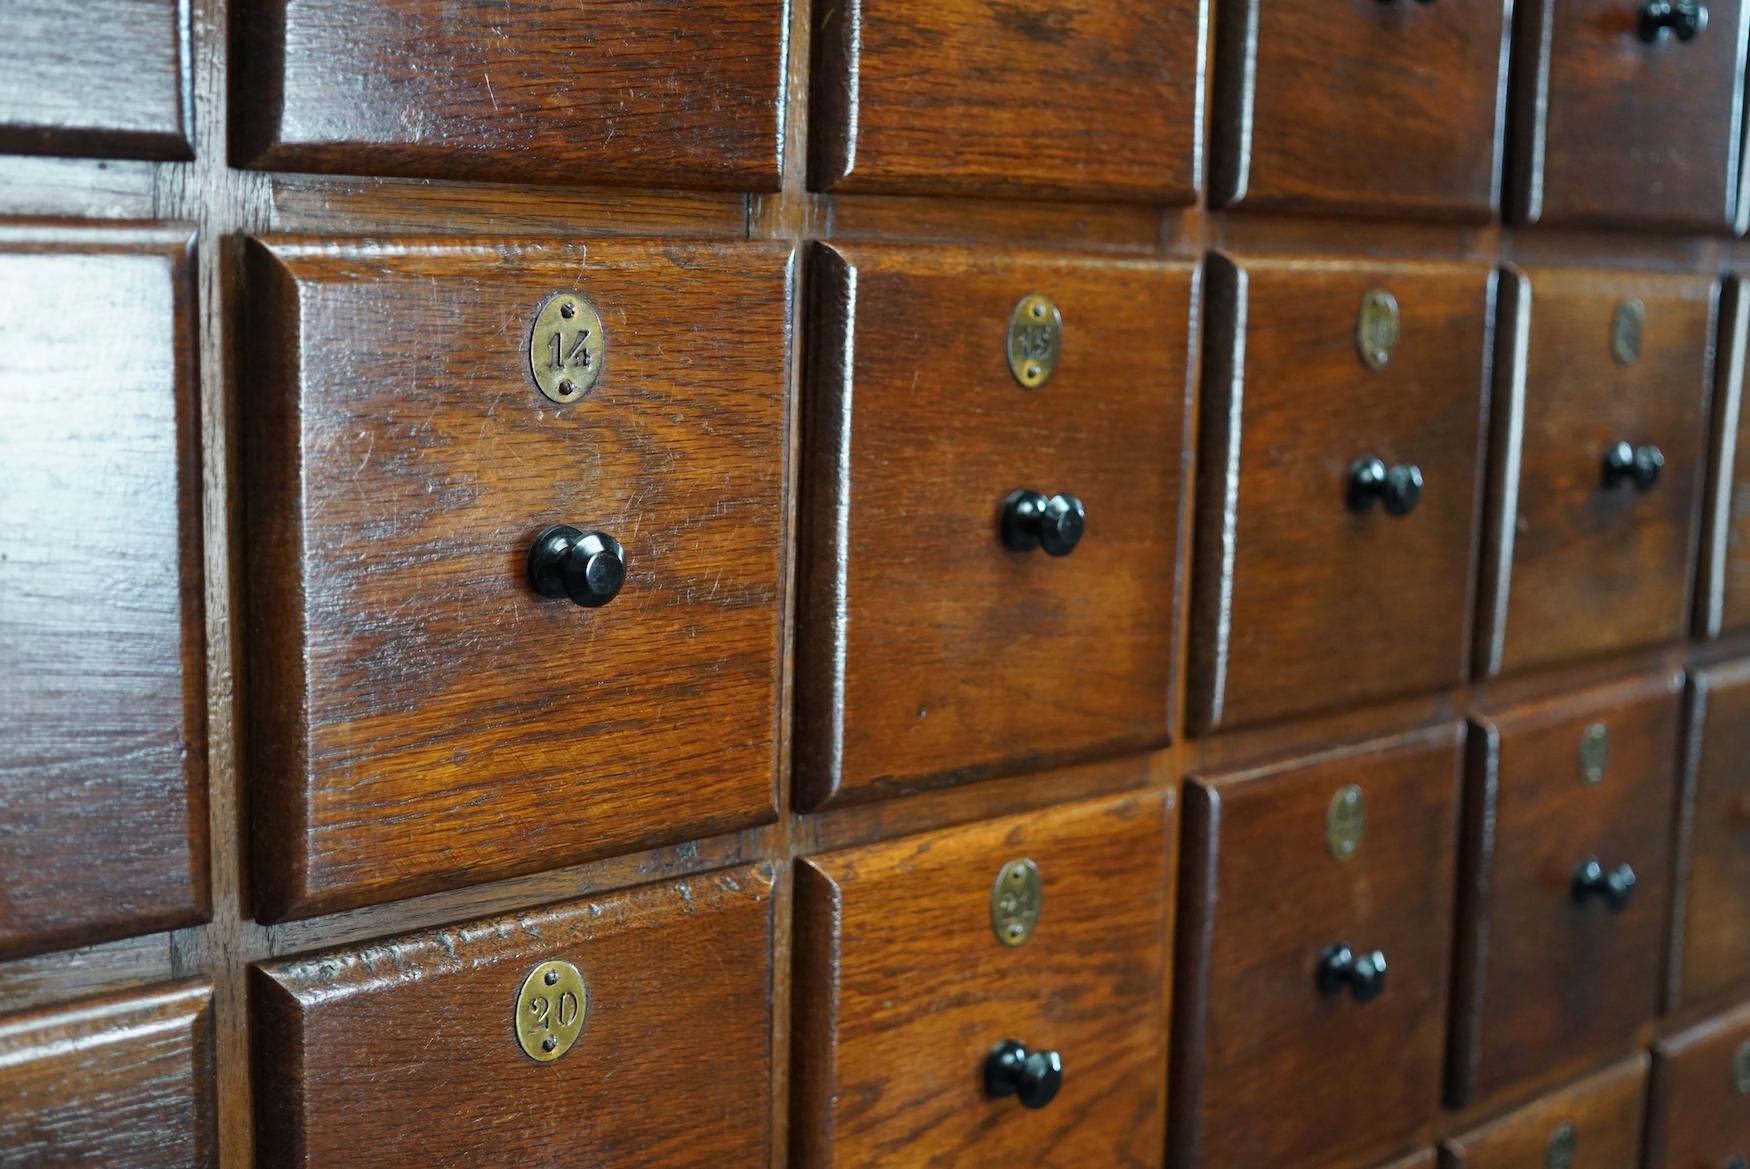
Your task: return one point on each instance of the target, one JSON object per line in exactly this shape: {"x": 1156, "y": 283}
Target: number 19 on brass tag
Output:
{"x": 566, "y": 347}
{"x": 549, "y": 1010}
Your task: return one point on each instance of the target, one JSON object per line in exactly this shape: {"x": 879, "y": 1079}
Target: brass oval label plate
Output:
{"x": 549, "y": 1010}
{"x": 1626, "y": 326}
{"x": 1594, "y": 754}
{"x": 1559, "y": 1153}
{"x": 1035, "y": 340}
{"x": 1014, "y": 902}
{"x": 1376, "y": 328}
{"x": 1741, "y": 1069}
{"x": 566, "y": 347}
{"x": 1345, "y": 822}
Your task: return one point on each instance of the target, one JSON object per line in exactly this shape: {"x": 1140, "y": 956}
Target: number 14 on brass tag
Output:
{"x": 566, "y": 347}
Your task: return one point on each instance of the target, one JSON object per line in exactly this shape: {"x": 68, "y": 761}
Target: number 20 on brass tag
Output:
{"x": 566, "y": 347}
{"x": 549, "y": 1010}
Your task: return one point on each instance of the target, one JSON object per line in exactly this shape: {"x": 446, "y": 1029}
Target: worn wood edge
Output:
{"x": 833, "y": 93}
{"x": 255, "y": 59}
{"x": 1470, "y": 946}
{"x": 1528, "y": 107}
{"x": 1714, "y": 554}
{"x": 814, "y": 1032}
{"x": 1216, "y": 493}
{"x": 1185, "y": 486}
{"x": 1504, "y": 445}
{"x": 1476, "y": 541}
{"x": 1192, "y": 931}
{"x": 1689, "y": 747}
{"x": 276, "y": 1027}
{"x": 1699, "y": 474}
{"x": 1235, "y": 83}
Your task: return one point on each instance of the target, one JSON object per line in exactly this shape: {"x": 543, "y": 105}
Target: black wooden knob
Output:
{"x": 1614, "y": 886}
{"x": 1682, "y": 19}
{"x": 1032, "y": 1077}
{"x": 1362, "y": 974}
{"x": 588, "y": 567}
{"x": 1030, "y": 521}
{"x": 1398, "y": 486}
{"x": 1637, "y": 465}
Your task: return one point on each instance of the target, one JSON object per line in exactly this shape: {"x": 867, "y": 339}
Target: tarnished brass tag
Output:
{"x": 1594, "y": 753}
{"x": 1376, "y": 327}
{"x": 549, "y": 1010}
{"x": 1559, "y": 1153}
{"x": 1035, "y": 340}
{"x": 566, "y": 347}
{"x": 1345, "y": 822}
{"x": 1014, "y": 902}
{"x": 1626, "y": 326}
{"x": 1741, "y": 1069}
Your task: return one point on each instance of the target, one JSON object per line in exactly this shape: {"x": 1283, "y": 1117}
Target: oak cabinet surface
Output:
{"x": 1595, "y": 1122}
{"x": 1699, "y": 1111}
{"x": 1710, "y": 943}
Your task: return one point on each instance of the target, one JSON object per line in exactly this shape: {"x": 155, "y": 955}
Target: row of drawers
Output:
{"x": 1628, "y": 111}
{"x": 1315, "y": 947}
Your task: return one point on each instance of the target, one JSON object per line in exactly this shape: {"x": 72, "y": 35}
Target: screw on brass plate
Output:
{"x": 566, "y": 347}
{"x": 1594, "y": 754}
{"x": 1034, "y": 341}
{"x": 1345, "y": 822}
{"x": 1376, "y": 328}
{"x": 550, "y": 1009}
{"x": 1627, "y": 325}
{"x": 1014, "y": 902}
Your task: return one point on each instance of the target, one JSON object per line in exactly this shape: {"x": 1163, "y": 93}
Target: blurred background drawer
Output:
{"x": 1595, "y": 1123}
{"x": 1722, "y": 594}
{"x": 1699, "y": 1116}
{"x": 1710, "y": 942}
{"x": 423, "y": 717}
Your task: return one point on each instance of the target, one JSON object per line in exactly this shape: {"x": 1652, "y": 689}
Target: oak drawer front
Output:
{"x": 1296, "y": 571}
{"x": 1563, "y": 901}
{"x": 1314, "y": 941}
{"x": 1699, "y": 1112}
{"x": 1593, "y": 142}
{"x": 1595, "y": 1123}
{"x": 1710, "y": 944}
{"x": 640, "y": 93}
{"x": 408, "y": 1053}
{"x": 916, "y": 97}
{"x": 904, "y": 991}
{"x": 930, "y": 650}
{"x": 423, "y": 717}
{"x": 1597, "y": 464}
{"x": 124, "y": 1081}
{"x": 103, "y": 693}
{"x": 1360, "y": 107}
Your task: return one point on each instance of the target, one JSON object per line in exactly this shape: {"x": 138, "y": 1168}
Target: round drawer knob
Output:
{"x": 1683, "y": 19}
{"x": 1032, "y": 1077}
{"x": 1362, "y": 974}
{"x": 1398, "y": 486}
{"x": 1030, "y": 521}
{"x": 588, "y": 567}
{"x": 1639, "y": 465}
{"x": 1615, "y": 886}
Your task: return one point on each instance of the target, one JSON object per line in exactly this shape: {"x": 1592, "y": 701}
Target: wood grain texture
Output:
{"x": 123, "y": 1082}
{"x": 1573, "y": 568}
{"x": 1301, "y": 603}
{"x": 928, "y": 651}
{"x": 1722, "y": 588}
{"x": 422, "y": 718}
{"x": 1608, "y": 129}
{"x": 1605, "y": 1111}
{"x": 105, "y": 77}
{"x": 1262, "y": 896}
{"x": 1009, "y": 99}
{"x": 103, "y": 818}
{"x": 402, "y": 1055}
{"x": 903, "y": 989}
{"x": 1360, "y": 107}
{"x": 1544, "y": 980}
{"x": 1697, "y": 1116}
{"x": 661, "y": 93}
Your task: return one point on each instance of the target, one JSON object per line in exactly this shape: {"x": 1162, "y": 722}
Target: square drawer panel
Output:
{"x": 1699, "y": 1114}
{"x": 994, "y": 994}
{"x": 931, "y": 649}
{"x": 1710, "y": 943}
{"x": 124, "y": 1081}
{"x": 102, "y": 627}
{"x": 637, "y": 93}
{"x": 1722, "y": 594}
{"x": 917, "y": 97}
{"x": 1595, "y": 1123}
{"x": 1318, "y": 585}
{"x": 1564, "y": 891}
{"x": 1600, "y": 420}
{"x": 633, "y": 1028}
{"x": 1624, "y": 118}
{"x": 1314, "y": 946}
{"x": 423, "y": 716}
{"x": 1377, "y": 107}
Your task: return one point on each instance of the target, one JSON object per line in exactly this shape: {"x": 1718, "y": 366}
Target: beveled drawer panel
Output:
{"x": 1584, "y": 555}
{"x": 408, "y": 1053}
{"x": 1360, "y": 107}
{"x": 1595, "y": 1123}
{"x": 1722, "y": 594}
{"x": 123, "y": 1082}
{"x": 102, "y": 629}
{"x": 1314, "y": 941}
{"x": 905, "y": 988}
{"x": 1564, "y": 893}
{"x": 917, "y": 97}
{"x": 929, "y": 651}
{"x": 423, "y": 717}
{"x": 635, "y": 93}
{"x": 1699, "y": 1113}
{"x": 1308, "y": 596}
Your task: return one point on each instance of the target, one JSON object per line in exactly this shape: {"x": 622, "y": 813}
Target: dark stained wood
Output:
{"x": 123, "y": 1082}
{"x": 1360, "y": 107}
{"x": 1267, "y": 1070}
{"x": 1301, "y": 603}
{"x": 640, "y": 93}
{"x": 928, "y": 651}
{"x": 402, "y": 1054}
{"x": 1722, "y": 590}
{"x": 903, "y": 988}
{"x": 422, "y": 718}
{"x": 1605, "y": 1111}
{"x": 1420, "y": 1159}
{"x": 102, "y": 77}
{"x": 1544, "y": 980}
{"x": 1098, "y": 101}
{"x": 1572, "y": 568}
{"x": 1698, "y": 1116}
{"x": 103, "y": 819}
{"x": 1610, "y": 130}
